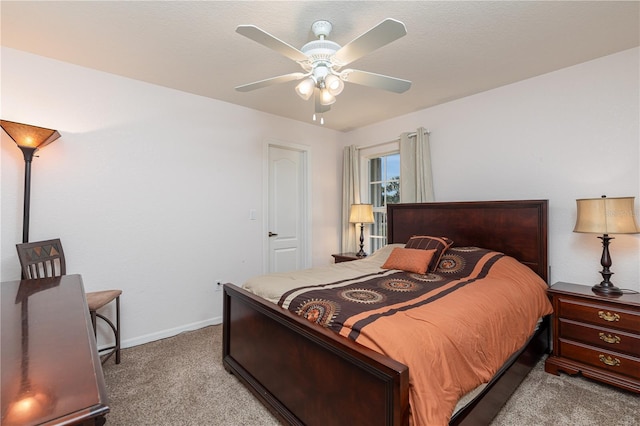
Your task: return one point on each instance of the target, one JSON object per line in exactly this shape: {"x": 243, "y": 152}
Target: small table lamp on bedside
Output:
{"x": 606, "y": 216}
{"x": 361, "y": 213}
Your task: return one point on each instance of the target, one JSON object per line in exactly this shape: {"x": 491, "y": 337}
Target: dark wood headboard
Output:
{"x": 515, "y": 228}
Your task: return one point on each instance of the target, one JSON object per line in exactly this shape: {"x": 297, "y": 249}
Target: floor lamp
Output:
{"x": 29, "y": 139}
{"x": 361, "y": 213}
{"x": 606, "y": 216}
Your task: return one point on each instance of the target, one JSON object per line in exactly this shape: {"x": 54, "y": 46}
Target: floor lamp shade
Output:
{"x": 28, "y": 136}
{"x": 361, "y": 213}
{"x": 29, "y": 139}
{"x": 606, "y": 216}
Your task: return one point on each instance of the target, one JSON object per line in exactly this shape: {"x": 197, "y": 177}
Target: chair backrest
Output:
{"x": 42, "y": 259}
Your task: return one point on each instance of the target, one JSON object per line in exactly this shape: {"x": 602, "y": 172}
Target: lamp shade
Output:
{"x": 361, "y": 213}
{"x": 27, "y": 136}
{"x": 305, "y": 88}
{"x": 326, "y": 98}
{"x": 334, "y": 84}
{"x": 606, "y": 216}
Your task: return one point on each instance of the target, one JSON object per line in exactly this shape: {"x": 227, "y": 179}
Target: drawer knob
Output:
{"x": 608, "y": 316}
{"x": 614, "y": 362}
{"x": 609, "y": 338}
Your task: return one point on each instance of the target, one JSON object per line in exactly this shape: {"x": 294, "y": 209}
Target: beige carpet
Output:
{"x": 181, "y": 381}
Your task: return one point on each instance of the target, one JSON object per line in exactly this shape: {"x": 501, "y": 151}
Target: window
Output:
{"x": 384, "y": 188}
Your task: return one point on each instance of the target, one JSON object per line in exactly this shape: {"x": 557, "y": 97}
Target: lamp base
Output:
{"x": 606, "y": 290}
{"x": 361, "y": 253}
{"x": 606, "y": 287}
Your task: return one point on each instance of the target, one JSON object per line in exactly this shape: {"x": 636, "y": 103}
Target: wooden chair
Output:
{"x": 46, "y": 259}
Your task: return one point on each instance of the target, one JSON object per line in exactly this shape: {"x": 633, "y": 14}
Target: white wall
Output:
{"x": 569, "y": 134}
{"x": 150, "y": 189}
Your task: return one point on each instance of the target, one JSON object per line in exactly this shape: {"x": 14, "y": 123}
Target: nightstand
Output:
{"x": 597, "y": 336}
{"x": 345, "y": 257}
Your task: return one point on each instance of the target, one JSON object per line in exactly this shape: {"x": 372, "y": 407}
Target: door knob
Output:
{"x": 271, "y": 234}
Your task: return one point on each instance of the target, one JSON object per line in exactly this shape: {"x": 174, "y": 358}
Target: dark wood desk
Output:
{"x": 51, "y": 372}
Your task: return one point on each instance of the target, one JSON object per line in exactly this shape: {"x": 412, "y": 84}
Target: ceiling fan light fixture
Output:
{"x": 334, "y": 84}
{"x": 326, "y": 98}
{"x": 305, "y": 88}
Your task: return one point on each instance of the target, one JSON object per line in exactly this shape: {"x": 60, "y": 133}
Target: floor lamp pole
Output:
{"x": 28, "y": 156}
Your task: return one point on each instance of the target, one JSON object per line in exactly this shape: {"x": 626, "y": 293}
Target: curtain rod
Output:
{"x": 426, "y": 132}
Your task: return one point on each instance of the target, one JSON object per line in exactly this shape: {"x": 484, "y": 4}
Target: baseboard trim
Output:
{"x": 163, "y": 334}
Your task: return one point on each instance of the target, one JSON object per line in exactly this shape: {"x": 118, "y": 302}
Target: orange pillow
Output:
{"x": 410, "y": 260}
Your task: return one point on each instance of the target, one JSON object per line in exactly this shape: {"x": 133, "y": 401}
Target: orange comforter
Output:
{"x": 454, "y": 329}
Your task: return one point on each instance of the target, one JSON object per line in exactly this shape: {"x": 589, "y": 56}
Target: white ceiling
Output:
{"x": 452, "y": 49}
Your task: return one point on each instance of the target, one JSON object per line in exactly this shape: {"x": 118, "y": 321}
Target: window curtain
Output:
{"x": 350, "y": 195}
{"x": 416, "y": 177}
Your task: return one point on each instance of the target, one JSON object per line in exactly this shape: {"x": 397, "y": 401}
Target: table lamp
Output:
{"x": 606, "y": 216}
{"x": 361, "y": 213}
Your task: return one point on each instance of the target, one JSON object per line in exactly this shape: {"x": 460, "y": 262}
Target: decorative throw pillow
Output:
{"x": 410, "y": 260}
{"x": 425, "y": 242}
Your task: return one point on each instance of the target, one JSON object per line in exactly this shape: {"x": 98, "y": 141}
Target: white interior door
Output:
{"x": 287, "y": 199}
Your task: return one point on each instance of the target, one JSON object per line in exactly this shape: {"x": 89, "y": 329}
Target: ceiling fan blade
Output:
{"x": 382, "y": 34}
{"x": 319, "y": 107}
{"x": 269, "y": 81}
{"x": 266, "y": 39}
{"x": 378, "y": 81}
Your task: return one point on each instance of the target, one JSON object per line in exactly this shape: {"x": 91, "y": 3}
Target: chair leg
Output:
{"x": 107, "y": 352}
{"x": 93, "y": 323}
{"x": 118, "y": 330}
{"x": 116, "y": 333}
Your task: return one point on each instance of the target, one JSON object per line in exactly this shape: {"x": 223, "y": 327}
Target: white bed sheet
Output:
{"x": 272, "y": 286}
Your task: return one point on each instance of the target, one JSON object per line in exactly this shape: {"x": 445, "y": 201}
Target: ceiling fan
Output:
{"x": 323, "y": 59}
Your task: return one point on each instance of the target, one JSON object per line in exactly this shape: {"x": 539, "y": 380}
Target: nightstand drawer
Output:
{"x": 605, "y": 338}
{"x": 608, "y": 360}
{"x": 605, "y": 315}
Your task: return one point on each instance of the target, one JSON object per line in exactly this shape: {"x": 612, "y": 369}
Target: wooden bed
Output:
{"x": 307, "y": 375}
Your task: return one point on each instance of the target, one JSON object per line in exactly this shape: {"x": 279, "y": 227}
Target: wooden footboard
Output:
{"x": 307, "y": 375}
